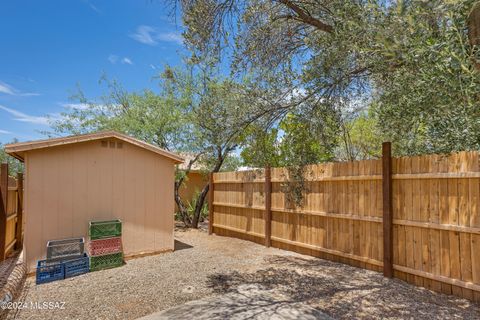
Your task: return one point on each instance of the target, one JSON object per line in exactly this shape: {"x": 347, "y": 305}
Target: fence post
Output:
{"x": 210, "y": 203}
{"x": 3, "y": 207}
{"x": 18, "y": 231}
{"x": 387, "y": 209}
{"x": 268, "y": 207}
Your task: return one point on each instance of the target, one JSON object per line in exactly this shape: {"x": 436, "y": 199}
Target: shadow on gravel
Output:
{"x": 12, "y": 278}
{"x": 181, "y": 245}
{"x": 7, "y": 266}
{"x": 246, "y": 303}
{"x": 343, "y": 291}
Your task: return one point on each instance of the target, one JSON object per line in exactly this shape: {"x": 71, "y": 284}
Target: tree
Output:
{"x": 430, "y": 103}
{"x": 413, "y": 61}
{"x": 474, "y": 31}
{"x": 195, "y": 112}
{"x": 295, "y": 141}
{"x": 14, "y": 166}
{"x": 157, "y": 119}
{"x": 219, "y": 112}
{"x": 360, "y": 138}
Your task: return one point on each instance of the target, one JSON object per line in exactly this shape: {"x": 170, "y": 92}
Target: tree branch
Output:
{"x": 304, "y": 16}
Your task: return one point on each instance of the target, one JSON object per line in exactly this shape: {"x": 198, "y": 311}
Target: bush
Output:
{"x": 190, "y": 205}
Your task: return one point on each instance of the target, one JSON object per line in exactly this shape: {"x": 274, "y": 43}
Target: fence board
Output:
{"x": 11, "y": 223}
{"x": 10, "y": 206}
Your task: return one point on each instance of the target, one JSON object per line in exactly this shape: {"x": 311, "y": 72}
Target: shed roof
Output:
{"x": 18, "y": 150}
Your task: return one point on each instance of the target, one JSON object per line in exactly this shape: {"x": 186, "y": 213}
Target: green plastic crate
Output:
{"x": 106, "y": 261}
{"x": 104, "y": 229}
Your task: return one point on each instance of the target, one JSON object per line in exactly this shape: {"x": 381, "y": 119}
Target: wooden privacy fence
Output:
{"x": 11, "y": 212}
{"x": 416, "y": 219}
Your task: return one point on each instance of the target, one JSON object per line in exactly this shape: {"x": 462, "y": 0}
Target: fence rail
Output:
{"x": 11, "y": 212}
{"x": 434, "y": 218}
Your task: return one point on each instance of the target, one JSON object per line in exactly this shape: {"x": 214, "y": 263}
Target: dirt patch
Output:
{"x": 205, "y": 265}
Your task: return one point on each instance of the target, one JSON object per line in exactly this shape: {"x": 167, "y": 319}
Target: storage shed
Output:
{"x": 105, "y": 175}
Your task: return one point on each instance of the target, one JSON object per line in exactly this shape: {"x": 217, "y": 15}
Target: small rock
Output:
{"x": 188, "y": 289}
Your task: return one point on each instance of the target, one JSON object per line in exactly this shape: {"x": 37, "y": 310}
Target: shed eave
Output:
{"x": 18, "y": 150}
{"x": 16, "y": 155}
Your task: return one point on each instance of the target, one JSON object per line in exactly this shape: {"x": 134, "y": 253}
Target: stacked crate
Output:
{"x": 105, "y": 246}
{"x": 65, "y": 258}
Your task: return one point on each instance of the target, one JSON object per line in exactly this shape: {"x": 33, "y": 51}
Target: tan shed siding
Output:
{"x": 67, "y": 186}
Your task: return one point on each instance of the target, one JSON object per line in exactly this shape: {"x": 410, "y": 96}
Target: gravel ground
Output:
{"x": 13, "y": 273}
{"x": 205, "y": 265}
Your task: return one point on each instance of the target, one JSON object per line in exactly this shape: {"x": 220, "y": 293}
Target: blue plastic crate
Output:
{"x": 77, "y": 266}
{"x": 49, "y": 271}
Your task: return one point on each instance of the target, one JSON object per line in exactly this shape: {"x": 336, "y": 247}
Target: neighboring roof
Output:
{"x": 18, "y": 150}
{"x": 188, "y": 156}
{"x": 199, "y": 165}
{"x": 244, "y": 168}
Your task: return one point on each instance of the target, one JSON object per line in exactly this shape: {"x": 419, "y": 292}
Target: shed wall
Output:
{"x": 68, "y": 186}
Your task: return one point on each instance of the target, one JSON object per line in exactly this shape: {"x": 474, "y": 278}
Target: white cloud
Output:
{"x": 144, "y": 34}
{"x": 8, "y": 89}
{"x": 20, "y": 116}
{"x": 113, "y": 58}
{"x": 152, "y": 36}
{"x": 4, "y": 132}
{"x": 75, "y": 106}
{"x": 127, "y": 60}
{"x": 81, "y": 107}
{"x": 28, "y": 94}
{"x": 5, "y": 88}
{"x": 92, "y": 6}
{"x": 170, "y": 37}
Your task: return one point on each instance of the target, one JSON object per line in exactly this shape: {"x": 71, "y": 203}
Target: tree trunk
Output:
{"x": 199, "y": 206}
{"x": 474, "y": 30}
{"x": 181, "y": 206}
{"x": 204, "y": 193}
{"x": 178, "y": 200}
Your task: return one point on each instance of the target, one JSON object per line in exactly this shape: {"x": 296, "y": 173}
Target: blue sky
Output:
{"x": 48, "y": 47}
